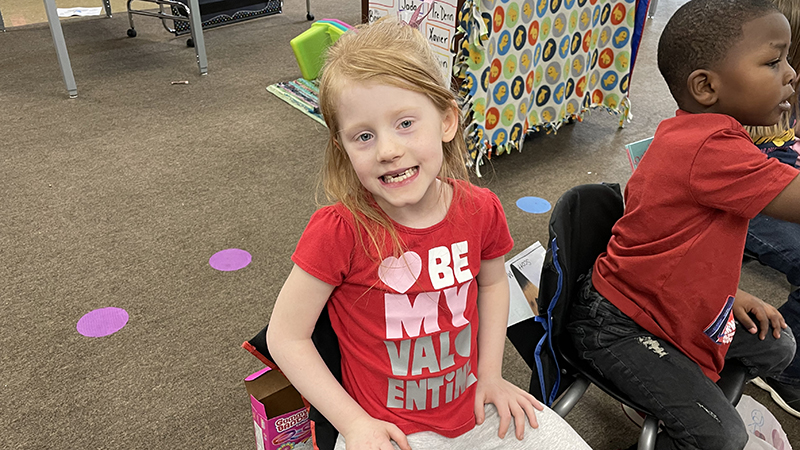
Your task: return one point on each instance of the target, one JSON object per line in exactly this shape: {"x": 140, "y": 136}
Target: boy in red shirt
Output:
{"x": 660, "y": 309}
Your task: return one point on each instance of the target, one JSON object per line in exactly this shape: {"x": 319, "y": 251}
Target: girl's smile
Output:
{"x": 400, "y": 176}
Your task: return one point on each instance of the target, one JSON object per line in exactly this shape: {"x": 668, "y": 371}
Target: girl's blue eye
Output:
{"x": 405, "y": 124}
{"x": 364, "y": 137}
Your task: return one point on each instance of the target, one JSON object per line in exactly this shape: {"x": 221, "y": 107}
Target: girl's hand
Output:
{"x": 745, "y": 304}
{"x": 510, "y": 401}
{"x": 373, "y": 434}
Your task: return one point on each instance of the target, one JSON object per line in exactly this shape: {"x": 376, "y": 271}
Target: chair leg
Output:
{"x": 647, "y": 439}
{"x": 309, "y": 16}
{"x": 130, "y": 16}
{"x": 651, "y": 10}
{"x": 571, "y": 396}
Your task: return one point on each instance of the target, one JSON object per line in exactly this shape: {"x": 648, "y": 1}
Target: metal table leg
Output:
{"x": 61, "y": 47}
{"x": 2, "y": 25}
{"x": 197, "y": 36}
{"x": 107, "y": 6}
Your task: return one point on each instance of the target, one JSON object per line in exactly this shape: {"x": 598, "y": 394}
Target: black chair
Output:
{"x": 580, "y": 228}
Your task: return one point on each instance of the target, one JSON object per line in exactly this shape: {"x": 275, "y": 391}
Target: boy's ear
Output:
{"x": 450, "y": 123}
{"x": 701, "y": 86}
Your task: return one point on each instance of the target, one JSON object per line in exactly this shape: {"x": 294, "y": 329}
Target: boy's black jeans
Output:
{"x": 695, "y": 413}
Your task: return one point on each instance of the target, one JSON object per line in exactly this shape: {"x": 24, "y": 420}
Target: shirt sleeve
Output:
{"x": 326, "y": 247}
{"x": 497, "y": 238}
{"x": 730, "y": 173}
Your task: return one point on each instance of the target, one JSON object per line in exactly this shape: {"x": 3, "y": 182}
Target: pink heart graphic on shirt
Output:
{"x": 400, "y": 273}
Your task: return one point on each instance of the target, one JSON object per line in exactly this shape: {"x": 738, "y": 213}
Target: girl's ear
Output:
{"x": 450, "y": 123}
{"x": 701, "y": 86}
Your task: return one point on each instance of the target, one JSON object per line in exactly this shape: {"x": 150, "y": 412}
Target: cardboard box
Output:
{"x": 280, "y": 416}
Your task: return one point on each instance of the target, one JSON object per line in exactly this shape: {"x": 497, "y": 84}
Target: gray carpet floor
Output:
{"x": 119, "y": 197}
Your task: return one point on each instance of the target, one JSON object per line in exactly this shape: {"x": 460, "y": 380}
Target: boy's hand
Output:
{"x": 510, "y": 401}
{"x": 746, "y": 305}
{"x": 373, "y": 434}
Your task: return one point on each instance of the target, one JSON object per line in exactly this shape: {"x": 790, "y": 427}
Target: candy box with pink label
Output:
{"x": 280, "y": 417}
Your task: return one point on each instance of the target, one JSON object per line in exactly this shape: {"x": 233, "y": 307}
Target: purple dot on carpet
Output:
{"x": 230, "y": 259}
{"x": 534, "y": 205}
{"x": 102, "y": 322}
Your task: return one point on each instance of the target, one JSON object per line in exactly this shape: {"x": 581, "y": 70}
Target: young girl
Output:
{"x": 775, "y": 242}
{"x": 408, "y": 260}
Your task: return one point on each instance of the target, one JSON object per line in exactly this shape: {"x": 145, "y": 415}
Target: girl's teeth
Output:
{"x": 400, "y": 176}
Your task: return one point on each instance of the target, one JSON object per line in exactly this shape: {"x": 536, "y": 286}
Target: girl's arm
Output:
{"x": 493, "y": 298}
{"x": 786, "y": 206}
{"x": 296, "y": 311}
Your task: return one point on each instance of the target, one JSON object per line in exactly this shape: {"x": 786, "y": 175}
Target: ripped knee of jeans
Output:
{"x": 653, "y": 345}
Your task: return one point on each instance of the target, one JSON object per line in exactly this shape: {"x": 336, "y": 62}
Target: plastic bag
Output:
{"x": 764, "y": 432}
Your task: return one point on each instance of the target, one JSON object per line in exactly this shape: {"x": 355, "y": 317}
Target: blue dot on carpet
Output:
{"x": 533, "y": 205}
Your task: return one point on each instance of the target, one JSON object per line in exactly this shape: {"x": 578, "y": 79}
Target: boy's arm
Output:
{"x": 493, "y": 298}
{"x": 296, "y": 311}
{"x": 786, "y": 206}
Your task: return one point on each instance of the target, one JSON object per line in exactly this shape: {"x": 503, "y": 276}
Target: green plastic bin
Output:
{"x": 310, "y": 46}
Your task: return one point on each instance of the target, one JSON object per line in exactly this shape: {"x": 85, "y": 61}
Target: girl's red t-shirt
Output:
{"x": 407, "y": 326}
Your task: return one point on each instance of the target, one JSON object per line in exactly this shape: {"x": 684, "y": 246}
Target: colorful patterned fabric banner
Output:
{"x": 534, "y": 64}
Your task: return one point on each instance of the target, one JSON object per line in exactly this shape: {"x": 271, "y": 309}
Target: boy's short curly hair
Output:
{"x": 700, "y": 34}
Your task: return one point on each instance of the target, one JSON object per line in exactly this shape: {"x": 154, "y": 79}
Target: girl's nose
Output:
{"x": 389, "y": 150}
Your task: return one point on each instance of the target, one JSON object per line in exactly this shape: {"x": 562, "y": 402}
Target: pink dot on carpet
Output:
{"x": 102, "y": 322}
{"x": 230, "y": 259}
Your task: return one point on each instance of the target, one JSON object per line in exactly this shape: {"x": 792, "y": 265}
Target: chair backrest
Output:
{"x": 327, "y": 344}
{"x": 580, "y": 228}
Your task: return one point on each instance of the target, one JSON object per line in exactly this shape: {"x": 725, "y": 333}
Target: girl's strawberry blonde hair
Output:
{"x": 392, "y": 53}
{"x": 784, "y": 130}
